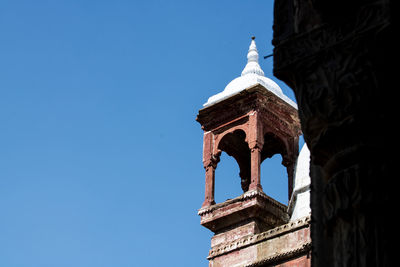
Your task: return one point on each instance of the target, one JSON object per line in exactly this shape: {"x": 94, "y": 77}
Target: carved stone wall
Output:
{"x": 286, "y": 245}
{"x": 338, "y": 57}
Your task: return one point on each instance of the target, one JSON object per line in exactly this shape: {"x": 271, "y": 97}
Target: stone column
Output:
{"x": 210, "y": 185}
{"x": 289, "y": 164}
{"x": 338, "y": 58}
{"x": 255, "y": 144}
{"x": 210, "y": 164}
{"x": 255, "y": 183}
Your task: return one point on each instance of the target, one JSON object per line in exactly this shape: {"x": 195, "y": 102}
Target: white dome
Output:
{"x": 302, "y": 172}
{"x": 252, "y": 74}
{"x": 299, "y": 205}
{"x": 250, "y": 80}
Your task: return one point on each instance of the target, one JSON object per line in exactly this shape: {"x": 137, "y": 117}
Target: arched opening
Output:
{"x": 235, "y": 146}
{"x": 226, "y": 179}
{"x": 274, "y": 179}
{"x": 274, "y": 176}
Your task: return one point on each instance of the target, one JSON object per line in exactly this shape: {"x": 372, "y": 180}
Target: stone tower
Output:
{"x": 252, "y": 120}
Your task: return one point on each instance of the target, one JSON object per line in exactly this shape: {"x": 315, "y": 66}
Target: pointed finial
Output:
{"x": 252, "y": 66}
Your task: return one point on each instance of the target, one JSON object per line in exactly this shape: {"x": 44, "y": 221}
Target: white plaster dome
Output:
{"x": 302, "y": 172}
{"x": 299, "y": 205}
{"x": 249, "y": 80}
{"x": 252, "y": 74}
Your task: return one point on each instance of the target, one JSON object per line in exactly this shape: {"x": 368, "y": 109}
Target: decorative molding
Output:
{"x": 261, "y": 237}
{"x": 245, "y": 196}
{"x": 305, "y": 248}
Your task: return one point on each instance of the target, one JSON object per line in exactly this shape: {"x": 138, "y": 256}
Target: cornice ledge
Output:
{"x": 245, "y": 196}
{"x": 282, "y": 256}
{"x": 251, "y": 240}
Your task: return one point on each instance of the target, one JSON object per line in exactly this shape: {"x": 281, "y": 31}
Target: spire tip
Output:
{"x": 252, "y": 66}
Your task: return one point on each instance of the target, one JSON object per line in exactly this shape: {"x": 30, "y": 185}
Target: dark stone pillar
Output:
{"x": 338, "y": 57}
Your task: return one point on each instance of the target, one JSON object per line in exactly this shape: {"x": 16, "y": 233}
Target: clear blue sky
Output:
{"x": 100, "y": 153}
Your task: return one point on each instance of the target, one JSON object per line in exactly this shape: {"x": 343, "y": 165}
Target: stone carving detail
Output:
{"x": 336, "y": 60}
{"x": 272, "y": 260}
{"x": 261, "y": 237}
{"x": 246, "y": 196}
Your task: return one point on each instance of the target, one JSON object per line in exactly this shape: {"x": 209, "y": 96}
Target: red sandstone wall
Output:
{"x": 303, "y": 261}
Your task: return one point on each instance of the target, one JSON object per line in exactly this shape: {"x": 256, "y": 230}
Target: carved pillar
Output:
{"x": 210, "y": 184}
{"x": 255, "y": 167}
{"x": 210, "y": 164}
{"x": 336, "y": 56}
{"x": 289, "y": 161}
{"x": 255, "y": 144}
{"x": 289, "y": 164}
